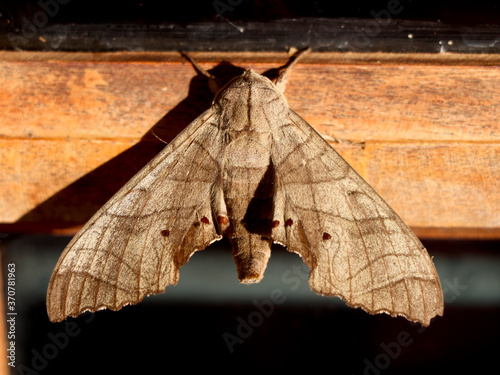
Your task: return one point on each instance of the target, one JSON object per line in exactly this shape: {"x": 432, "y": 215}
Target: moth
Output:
{"x": 251, "y": 169}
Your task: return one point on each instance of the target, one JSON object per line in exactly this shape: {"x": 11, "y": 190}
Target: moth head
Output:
{"x": 252, "y": 78}
{"x": 249, "y": 78}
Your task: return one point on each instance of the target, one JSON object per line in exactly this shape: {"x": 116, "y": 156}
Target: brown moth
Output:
{"x": 253, "y": 170}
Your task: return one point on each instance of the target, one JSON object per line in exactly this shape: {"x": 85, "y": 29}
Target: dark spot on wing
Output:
{"x": 222, "y": 220}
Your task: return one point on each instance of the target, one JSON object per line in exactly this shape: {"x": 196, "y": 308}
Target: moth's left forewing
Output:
{"x": 136, "y": 243}
{"x": 355, "y": 244}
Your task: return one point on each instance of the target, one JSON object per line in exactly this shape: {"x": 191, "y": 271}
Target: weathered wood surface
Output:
{"x": 75, "y": 127}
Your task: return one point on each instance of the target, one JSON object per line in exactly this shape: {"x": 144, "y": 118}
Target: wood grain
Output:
{"x": 75, "y": 127}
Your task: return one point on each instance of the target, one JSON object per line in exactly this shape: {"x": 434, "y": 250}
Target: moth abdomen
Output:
{"x": 251, "y": 253}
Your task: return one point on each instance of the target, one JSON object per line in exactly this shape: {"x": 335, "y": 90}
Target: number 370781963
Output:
{"x": 11, "y": 287}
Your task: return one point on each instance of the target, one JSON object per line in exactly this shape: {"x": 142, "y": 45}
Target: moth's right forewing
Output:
{"x": 356, "y": 246}
{"x": 136, "y": 243}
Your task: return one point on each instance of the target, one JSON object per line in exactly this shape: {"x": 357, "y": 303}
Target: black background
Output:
{"x": 251, "y": 25}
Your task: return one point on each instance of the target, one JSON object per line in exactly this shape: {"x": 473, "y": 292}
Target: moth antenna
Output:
{"x": 239, "y": 28}
{"x": 213, "y": 82}
{"x": 283, "y": 72}
{"x": 157, "y": 137}
{"x": 333, "y": 139}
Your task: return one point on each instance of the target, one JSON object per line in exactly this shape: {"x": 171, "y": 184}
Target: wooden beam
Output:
{"x": 74, "y": 127}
